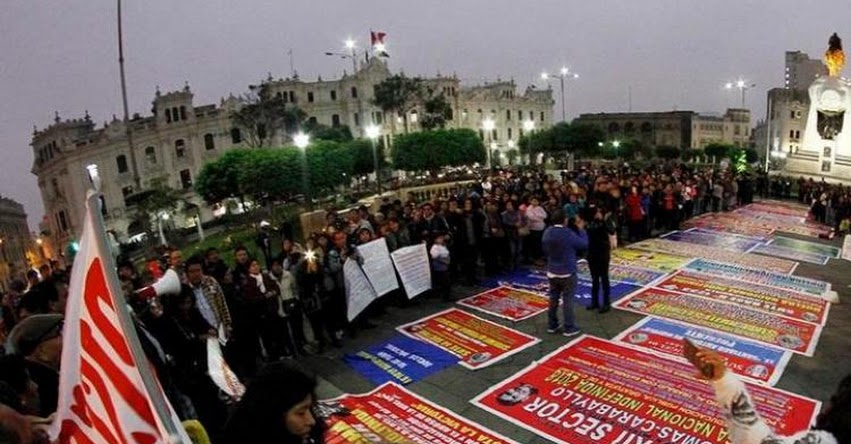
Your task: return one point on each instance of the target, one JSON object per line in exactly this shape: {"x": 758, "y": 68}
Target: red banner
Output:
{"x": 770, "y": 300}
{"x": 507, "y": 303}
{"x": 789, "y": 334}
{"x": 392, "y": 414}
{"x": 478, "y": 342}
{"x": 597, "y": 391}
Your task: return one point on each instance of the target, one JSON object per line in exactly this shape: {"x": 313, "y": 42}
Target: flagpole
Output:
{"x": 152, "y": 386}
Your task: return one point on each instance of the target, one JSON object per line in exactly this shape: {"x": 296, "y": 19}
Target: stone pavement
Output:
{"x": 452, "y": 388}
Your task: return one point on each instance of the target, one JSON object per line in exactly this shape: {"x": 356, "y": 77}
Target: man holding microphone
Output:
{"x": 561, "y": 244}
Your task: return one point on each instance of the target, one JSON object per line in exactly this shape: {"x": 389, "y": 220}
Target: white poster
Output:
{"x": 378, "y": 267}
{"x": 359, "y": 292}
{"x": 412, "y": 265}
{"x": 846, "y": 248}
{"x": 220, "y": 372}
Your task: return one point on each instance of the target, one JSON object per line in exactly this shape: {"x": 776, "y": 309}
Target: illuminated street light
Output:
{"x": 350, "y": 44}
{"x": 373, "y": 132}
{"x": 301, "y": 141}
{"x": 528, "y": 125}
{"x": 564, "y": 73}
{"x": 742, "y": 85}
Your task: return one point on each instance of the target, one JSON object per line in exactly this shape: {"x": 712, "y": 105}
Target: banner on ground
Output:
{"x": 392, "y": 414}
{"x": 759, "y": 297}
{"x": 792, "y": 254}
{"x": 650, "y": 260}
{"x": 759, "y": 276}
{"x": 789, "y": 334}
{"x": 537, "y": 282}
{"x": 414, "y": 271}
{"x": 752, "y": 360}
{"x": 377, "y": 266}
{"x": 730, "y": 243}
{"x": 359, "y": 292}
{"x": 812, "y": 247}
{"x": 846, "y": 247}
{"x": 727, "y": 233}
{"x": 597, "y": 391}
{"x": 622, "y": 273}
{"x": 718, "y": 254}
{"x": 478, "y": 342}
{"x": 717, "y": 222}
{"x": 508, "y": 303}
{"x": 402, "y": 360}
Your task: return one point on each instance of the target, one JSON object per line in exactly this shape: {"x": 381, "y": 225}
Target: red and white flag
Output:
{"x": 103, "y": 397}
{"x": 377, "y": 40}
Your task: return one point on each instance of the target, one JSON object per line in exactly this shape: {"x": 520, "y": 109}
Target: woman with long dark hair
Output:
{"x": 278, "y": 407}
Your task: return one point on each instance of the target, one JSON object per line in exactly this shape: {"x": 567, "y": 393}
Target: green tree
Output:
{"x": 717, "y": 151}
{"x": 219, "y": 179}
{"x": 668, "y": 152}
{"x": 436, "y": 112}
{"x": 512, "y": 155}
{"x": 395, "y": 95}
{"x": 431, "y": 150}
{"x": 563, "y": 138}
{"x": 318, "y": 131}
{"x": 158, "y": 199}
{"x": 751, "y": 156}
{"x": 361, "y": 152}
{"x": 262, "y": 116}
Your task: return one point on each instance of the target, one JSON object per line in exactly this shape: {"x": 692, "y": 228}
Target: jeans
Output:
{"x": 563, "y": 289}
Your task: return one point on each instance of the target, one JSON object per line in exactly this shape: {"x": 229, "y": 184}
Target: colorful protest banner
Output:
{"x": 718, "y": 254}
{"x": 792, "y": 254}
{"x": 759, "y": 297}
{"x": 759, "y": 276}
{"x": 392, "y": 414}
{"x": 478, "y": 342}
{"x": 846, "y": 247}
{"x": 811, "y": 247}
{"x": 507, "y": 303}
{"x": 749, "y": 359}
{"x": 401, "y": 359}
{"x": 536, "y": 282}
{"x": 727, "y": 233}
{"x": 650, "y": 260}
{"x": 413, "y": 267}
{"x": 730, "y": 243}
{"x": 376, "y": 263}
{"x": 622, "y": 273}
{"x": 597, "y": 391}
{"x": 789, "y": 334}
{"x": 706, "y": 221}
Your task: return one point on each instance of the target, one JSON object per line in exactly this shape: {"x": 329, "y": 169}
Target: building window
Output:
{"x": 791, "y": 134}
{"x": 103, "y": 210}
{"x": 542, "y": 116}
{"x": 182, "y": 113}
{"x": 167, "y": 115}
{"x": 121, "y": 161}
{"x": 335, "y": 120}
{"x": 63, "y": 220}
{"x": 507, "y": 115}
{"x": 494, "y": 134}
{"x": 519, "y": 115}
{"x": 54, "y": 183}
{"x": 283, "y": 96}
{"x": 482, "y": 134}
{"x": 509, "y": 134}
{"x": 357, "y": 119}
{"x": 312, "y": 120}
{"x": 310, "y": 96}
{"x": 354, "y": 92}
{"x": 261, "y": 131}
{"x": 629, "y": 127}
{"x": 614, "y": 127}
{"x": 333, "y": 94}
{"x": 126, "y": 191}
{"x": 292, "y": 96}
{"x": 175, "y": 116}
{"x": 185, "y": 179}
{"x": 414, "y": 116}
{"x": 797, "y": 134}
{"x": 531, "y": 115}
{"x": 235, "y": 135}
{"x": 151, "y": 155}
{"x": 179, "y": 148}
{"x": 209, "y": 142}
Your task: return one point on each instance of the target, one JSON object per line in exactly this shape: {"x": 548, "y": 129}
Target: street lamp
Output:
{"x": 742, "y": 85}
{"x": 564, "y": 73}
{"x": 489, "y": 125}
{"x": 301, "y": 140}
{"x": 351, "y": 47}
{"x": 373, "y": 132}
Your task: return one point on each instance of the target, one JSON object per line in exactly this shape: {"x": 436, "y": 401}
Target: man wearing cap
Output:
{"x": 38, "y": 339}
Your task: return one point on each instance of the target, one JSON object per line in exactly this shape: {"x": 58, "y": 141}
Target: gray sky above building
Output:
{"x": 62, "y": 56}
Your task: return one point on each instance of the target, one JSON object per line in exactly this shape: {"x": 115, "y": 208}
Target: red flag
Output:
{"x": 378, "y": 47}
{"x": 107, "y": 390}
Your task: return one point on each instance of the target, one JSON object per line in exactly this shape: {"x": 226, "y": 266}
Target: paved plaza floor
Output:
{"x": 452, "y": 388}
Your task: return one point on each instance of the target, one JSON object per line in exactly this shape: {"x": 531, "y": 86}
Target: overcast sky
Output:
{"x": 62, "y": 55}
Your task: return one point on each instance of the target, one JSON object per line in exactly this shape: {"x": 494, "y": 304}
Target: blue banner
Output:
{"x": 536, "y": 281}
{"x": 401, "y": 360}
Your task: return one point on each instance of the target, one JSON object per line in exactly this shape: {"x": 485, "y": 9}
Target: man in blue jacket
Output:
{"x": 560, "y": 244}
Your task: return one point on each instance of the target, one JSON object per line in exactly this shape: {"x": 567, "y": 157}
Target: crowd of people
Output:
{"x": 290, "y": 300}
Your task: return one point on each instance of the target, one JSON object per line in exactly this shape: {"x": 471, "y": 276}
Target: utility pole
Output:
{"x": 128, "y": 131}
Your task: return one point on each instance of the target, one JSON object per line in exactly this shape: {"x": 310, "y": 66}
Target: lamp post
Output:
{"x": 373, "y": 132}
{"x": 301, "y": 141}
{"x": 529, "y": 128}
{"x": 488, "y": 125}
{"x": 351, "y": 47}
{"x": 742, "y": 85}
{"x": 564, "y": 73}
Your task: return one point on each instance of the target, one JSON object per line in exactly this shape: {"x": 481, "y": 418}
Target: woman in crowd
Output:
{"x": 537, "y": 217}
{"x": 278, "y": 407}
{"x": 601, "y": 227}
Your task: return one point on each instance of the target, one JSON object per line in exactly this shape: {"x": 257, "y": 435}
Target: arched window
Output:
{"x": 614, "y": 127}
{"x": 179, "y": 148}
{"x": 168, "y": 115}
{"x": 182, "y": 113}
{"x": 209, "y": 143}
{"x": 646, "y": 127}
{"x": 629, "y": 127}
{"x": 235, "y": 135}
{"x": 151, "y": 155}
{"x": 121, "y": 161}
{"x": 354, "y": 92}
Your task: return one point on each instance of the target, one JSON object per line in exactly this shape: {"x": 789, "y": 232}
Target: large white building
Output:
{"x": 174, "y": 142}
